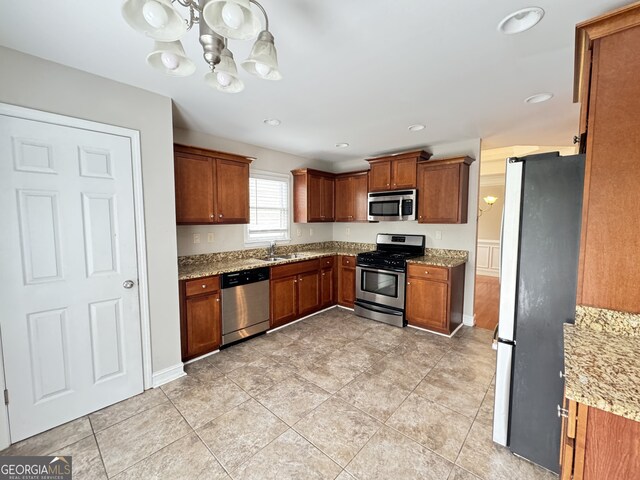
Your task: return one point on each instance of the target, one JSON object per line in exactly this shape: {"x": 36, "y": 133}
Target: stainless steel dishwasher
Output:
{"x": 245, "y": 304}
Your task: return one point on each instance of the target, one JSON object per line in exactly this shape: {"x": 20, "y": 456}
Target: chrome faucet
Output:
{"x": 272, "y": 249}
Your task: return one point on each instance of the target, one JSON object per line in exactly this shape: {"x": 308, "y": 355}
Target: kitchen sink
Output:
{"x": 272, "y": 259}
{"x": 288, "y": 256}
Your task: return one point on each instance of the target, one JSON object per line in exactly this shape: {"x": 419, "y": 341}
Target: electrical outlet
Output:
{"x": 299, "y": 232}
{"x": 196, "y": 238}
{"x": 311, "y": 232}
{"x": 210, "y": 237}
{"x": 438, "y": 235}
{"x": 348, "y": 231}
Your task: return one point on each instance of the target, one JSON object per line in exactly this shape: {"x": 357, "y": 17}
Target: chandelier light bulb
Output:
{"x": 154, "y": 14}
{"x": 223, "y": 79}
{"x": 170, "y": 60}
{"x": 262, "y": 69}
{"x": 232, "y": 15}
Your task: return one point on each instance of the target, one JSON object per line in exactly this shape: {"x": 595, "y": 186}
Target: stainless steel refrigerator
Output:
{"x": 538, "y": 281}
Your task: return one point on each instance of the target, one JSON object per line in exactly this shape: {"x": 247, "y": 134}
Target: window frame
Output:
{"x": 280, "y": 177}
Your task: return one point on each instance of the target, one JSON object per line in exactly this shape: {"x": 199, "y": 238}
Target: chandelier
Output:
{"x": 218, "y": 21}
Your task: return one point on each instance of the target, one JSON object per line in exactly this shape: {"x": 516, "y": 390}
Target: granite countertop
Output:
{"x": 602, "y": 365}
{"x": 218, "y": 267}
{"x": 198, "y": 266}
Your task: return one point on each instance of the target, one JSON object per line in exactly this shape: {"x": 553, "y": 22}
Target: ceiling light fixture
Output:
{"x": 219, "y": 21}
{"x": 416, "y": 127}
{"x": 342, "y": 145}
{"x": 539, "y": 98}
{"x": 521, "y": 21}
{"x": 274, "y": 122}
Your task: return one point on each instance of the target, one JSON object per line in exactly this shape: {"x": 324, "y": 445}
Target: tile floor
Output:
{"x": 332, "y": 397}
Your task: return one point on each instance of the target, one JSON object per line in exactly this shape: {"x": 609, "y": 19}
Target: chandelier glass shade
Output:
{"x": 219, "y": 21}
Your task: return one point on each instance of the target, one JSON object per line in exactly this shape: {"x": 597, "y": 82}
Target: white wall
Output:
{"x": 490, "y": 223}
{"x": 459, "y": 237}
{"x": 39, "y": 84}
{"x": 231, "y": 237}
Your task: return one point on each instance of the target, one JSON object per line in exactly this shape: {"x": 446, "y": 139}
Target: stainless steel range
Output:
{"x": 381, "y": 275}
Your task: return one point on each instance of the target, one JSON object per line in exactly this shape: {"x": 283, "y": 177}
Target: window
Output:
{"x": 268, "y": 207}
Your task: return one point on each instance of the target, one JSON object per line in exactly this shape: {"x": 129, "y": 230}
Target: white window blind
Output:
{"x": 268, "y": 207}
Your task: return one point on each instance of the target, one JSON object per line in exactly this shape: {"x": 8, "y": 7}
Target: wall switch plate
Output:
{"x": 299, "y": 232}
{"x": 196, "y": 238}
{"x": 438, "y": 235}
{"x": 210, "y": 237}
{"x": 348, "y": 231}
{"x": 311, "y": 232}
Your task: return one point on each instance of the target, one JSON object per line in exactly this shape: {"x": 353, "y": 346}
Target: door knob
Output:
{"x": 128, "y": 284}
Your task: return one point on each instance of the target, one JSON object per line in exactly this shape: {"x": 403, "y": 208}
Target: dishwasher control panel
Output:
{"x": 244, "y": 277}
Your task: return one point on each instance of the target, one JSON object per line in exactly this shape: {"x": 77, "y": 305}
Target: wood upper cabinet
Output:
{"x": 395, "y": 172}
{"x": 313, "y": 196}
{"x": 607, "y": 72}
{"x": 211, "y": 187}
{"x": 351, "y": 197}
{"x": 193, "y": 173}
{"x": 435, "y": 297}
{"x": 598, "y": 445}
{"x": 200, "y": 317}
{"x": 232, "y": 192}
{"x": 443, "y": 190}
{"x": 347, "y": 280}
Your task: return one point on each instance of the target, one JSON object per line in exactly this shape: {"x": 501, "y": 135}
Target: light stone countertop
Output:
{"x": 439, "y": 261}
{"x": 602, "y": 369}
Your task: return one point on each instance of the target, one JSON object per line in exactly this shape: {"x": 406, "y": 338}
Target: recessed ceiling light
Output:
{"x": 416, "y": 127}
{"x": 520, "y": 21}
{"x": 274, "y": 122}
{"x": 538, "y": 98}
{"x": 342, "y": 145}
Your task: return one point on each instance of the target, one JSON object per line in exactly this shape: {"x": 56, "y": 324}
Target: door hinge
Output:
{"x": 6, "y": 396}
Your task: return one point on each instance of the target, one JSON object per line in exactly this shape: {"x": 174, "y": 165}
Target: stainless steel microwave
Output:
{"x": 394, "y": 205}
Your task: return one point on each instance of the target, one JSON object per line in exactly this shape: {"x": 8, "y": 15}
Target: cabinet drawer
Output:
{"x": 428, "y": 272}
{"x": 348, "y": 261}
{"x": 326, "y": 262}
{"x": 202, "y": 285}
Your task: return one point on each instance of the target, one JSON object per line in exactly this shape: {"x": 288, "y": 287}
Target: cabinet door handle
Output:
{"x": 211, "y": 216}
{"x": 563, "y": 412}
{"x": 217, "y": 299}
{"x": 323, "y": 274}
{"x": 204, "y": 285}
{"x": 408, "y": 283}
{"x": 426, "y": 272}
{"x": 220, "y": 216}
{"x": 295, "y": 281}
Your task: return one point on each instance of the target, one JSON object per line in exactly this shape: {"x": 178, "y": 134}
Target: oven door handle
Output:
{"x": 387, "y": 311}
{"x": 379, "y": 270}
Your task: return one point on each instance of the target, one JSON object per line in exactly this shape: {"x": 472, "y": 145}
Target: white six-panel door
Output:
{"x": 71, "y": 334}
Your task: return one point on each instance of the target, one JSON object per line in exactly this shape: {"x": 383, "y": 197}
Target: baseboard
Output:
{"x": 436, "y": 333}
{"x": 168, "y": 374}
{"x": 469, "y": 320}
{"x": 300, "y": 319}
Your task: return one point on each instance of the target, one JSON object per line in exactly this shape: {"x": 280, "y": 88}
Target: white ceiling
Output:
{"x": 357, "y": 71}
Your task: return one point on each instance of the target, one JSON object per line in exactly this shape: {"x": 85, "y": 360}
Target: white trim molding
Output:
{"x": 469, "y": 320}
{"x": 141, "y": 245}
{"x": 488, "y": 258}
{"x": 168, "y": 375}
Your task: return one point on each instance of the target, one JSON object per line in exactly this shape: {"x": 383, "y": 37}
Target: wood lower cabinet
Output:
{"x": 200, "y": 317}
{"x": 346, "y": 280}
{"x": 435, "y": 297}
{"x": 296, "y": 291}
{"x": 395, "y": 172}
{"x": 284, "y": 300}
{"x": 328, "y": 284}
{"x": 443, "y": 190}
{"x": 598, "y": 445}
{"x": 210, "y": 187}
{"x": 351, "y": 197}
{"x": 313, "y": 196}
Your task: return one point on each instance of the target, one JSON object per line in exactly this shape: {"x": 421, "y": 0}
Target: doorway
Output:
{"x": 74, "y": 324}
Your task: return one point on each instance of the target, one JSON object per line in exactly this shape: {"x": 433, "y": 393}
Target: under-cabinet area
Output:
{"x": 306, "y": 280}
